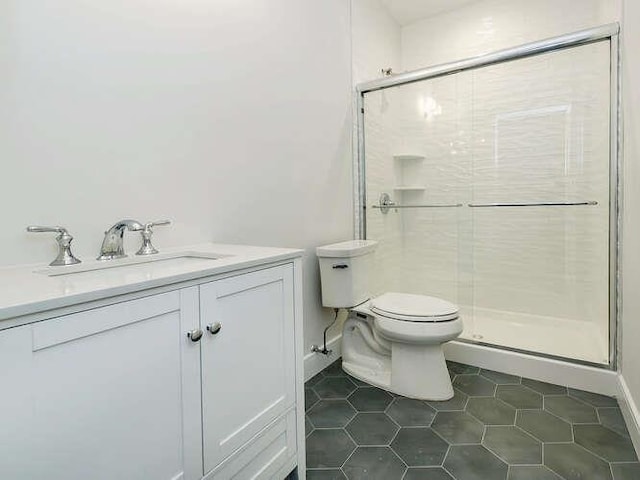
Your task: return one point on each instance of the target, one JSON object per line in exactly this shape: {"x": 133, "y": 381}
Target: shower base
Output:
{"x": 556, "y": 337}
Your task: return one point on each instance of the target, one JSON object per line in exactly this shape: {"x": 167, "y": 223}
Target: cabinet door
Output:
{"x": 100, "y": 394}
{"x": 248, "y": 367}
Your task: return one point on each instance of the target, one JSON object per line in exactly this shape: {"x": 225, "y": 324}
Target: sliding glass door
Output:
{"x": 491, "y": 188}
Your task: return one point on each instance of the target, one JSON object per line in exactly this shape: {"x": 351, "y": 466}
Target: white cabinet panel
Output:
{"x": 105, "y": 394}
{"x": 263, "y": 456}
{"x": 248, "y": 367}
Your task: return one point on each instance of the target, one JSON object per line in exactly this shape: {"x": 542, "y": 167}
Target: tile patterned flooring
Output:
{"x": 496, "y": 427}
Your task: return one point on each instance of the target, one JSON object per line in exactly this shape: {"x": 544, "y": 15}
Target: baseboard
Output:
{"x": 582, "y": 377}
{"x": 314, "y": 363}
{"x": 630, "y": 412}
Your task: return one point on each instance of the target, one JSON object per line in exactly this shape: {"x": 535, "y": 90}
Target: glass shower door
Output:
{"x": 418, "y": 162}
{"x": 540, "y": 203}
{"x": 490, "y": 188}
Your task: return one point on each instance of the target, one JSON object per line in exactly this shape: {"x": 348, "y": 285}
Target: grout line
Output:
{"x": 397, "y": 455}
{"x": 446, "y": 454}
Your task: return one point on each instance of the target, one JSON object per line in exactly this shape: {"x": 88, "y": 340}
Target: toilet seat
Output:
{"x": 413, "y": 308}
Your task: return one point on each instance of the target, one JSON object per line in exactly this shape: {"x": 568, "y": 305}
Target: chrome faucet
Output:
{"x": 147, "y": 248}
{"x": 112, "y": 246}
{"x": 65, "y": 257}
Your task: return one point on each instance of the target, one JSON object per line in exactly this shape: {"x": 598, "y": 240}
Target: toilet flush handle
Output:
{"x": 341, "y": 266}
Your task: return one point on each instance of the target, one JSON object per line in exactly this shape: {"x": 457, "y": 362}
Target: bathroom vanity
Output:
{"x": 163, "y": 370}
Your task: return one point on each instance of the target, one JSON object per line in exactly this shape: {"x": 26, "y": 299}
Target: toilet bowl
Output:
{"x": 394, "y": 340}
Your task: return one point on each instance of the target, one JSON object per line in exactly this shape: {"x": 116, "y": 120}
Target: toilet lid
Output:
{"x": 414, "y": 308}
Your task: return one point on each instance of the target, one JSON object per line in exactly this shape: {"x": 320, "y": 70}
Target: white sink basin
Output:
{"x": 167, "y": 261}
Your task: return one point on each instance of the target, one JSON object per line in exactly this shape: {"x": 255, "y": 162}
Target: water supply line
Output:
{"x": 324, "y": 350}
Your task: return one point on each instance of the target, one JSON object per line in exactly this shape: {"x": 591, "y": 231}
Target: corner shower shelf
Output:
{"x": 409, "y": 188}
{"x": 409, "y": 156}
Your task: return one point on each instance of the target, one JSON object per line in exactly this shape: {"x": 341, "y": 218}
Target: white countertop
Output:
{"x": 28, "y": 289}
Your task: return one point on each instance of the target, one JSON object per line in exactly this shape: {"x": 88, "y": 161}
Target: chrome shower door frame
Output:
{"x": 608, "y": 32}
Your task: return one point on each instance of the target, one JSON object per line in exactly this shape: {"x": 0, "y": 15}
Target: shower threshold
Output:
{"x": 558, "y": 337}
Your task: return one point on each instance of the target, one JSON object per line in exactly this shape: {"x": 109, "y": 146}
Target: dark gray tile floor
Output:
{"x": 497, "y": 427}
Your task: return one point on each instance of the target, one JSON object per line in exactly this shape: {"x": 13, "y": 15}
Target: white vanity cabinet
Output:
{"x": 248, "y": 374}
{"x": 121, "y": 392}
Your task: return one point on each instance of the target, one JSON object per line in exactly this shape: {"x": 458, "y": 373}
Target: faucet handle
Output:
{"x": 64, "y": 238}
{"x": 147, "y": 232}
{"x": 157, "y": 223}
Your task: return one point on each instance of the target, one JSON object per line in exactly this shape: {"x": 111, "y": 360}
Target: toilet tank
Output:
{"x": 345, "y": 270}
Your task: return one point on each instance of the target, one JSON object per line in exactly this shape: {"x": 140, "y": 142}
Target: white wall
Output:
{"x": 630, "y": 326}
{"x": 375, "y": 40}
{"x": 231, "y": 118}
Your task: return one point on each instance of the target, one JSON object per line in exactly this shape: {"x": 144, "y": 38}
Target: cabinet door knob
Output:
{"x": 194, "y": 335}
{"x": 214, "y": 328}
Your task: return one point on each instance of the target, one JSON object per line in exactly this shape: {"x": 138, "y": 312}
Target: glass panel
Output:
{"x": 417, "y": 152}
{"x": 541, "y": 134}
{"x": 529, "y": 131}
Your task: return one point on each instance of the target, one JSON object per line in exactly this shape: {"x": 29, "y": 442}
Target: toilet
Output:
{"x": 392, "y": 341}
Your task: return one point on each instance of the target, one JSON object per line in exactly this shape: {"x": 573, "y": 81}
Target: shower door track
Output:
{"x": 582, "y": 37}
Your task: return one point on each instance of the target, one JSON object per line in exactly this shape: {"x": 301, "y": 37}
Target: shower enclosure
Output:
{"x": 493, "y": 183}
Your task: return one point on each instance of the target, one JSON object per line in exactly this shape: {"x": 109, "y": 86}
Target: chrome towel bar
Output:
{"x": 385, "y": 203}
{"x": 531, "y": 204}
{"x": 433, "y": 205}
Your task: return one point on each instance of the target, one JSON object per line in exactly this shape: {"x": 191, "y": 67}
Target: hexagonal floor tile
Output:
{"x": 331, "y": 413}
{"x": 427, "y": 473}
{"x": 570, "y": 409}
{"x": 499, "y": 377}
{"x": 328, "y": 448}
{"x": 544, "y": 426}
{"x": 310, "y": 398}
{"x": 458, "y": 402}
{"x": 411, "y": 413}
{"x": 334, "y": 370}
{"x": 358, "y": 382}
{"x": 544, "y": 388}
{"x": 474, "y": 385}
{"x": 513, "y": 445}
{"x": 314, "y": 380}
{"x": 419, "y": 447}
{"x": 593, "y": 398}
{"x": 531, "y": 473}
{"x": 460, "y": 368}
{"x": 474, "y": 462}
{"x": 573, "y": 462}
{"x": 374, "y": 463}
{"x": 605, "y": 443}
{"x": 308, "y": 427}
{"x": 372, "y": 429}
{"x": 334, "y": 387}
{"x": 518, "y": 396}
{"x": 491, "y": 411}
{"x": 370, "y": 399}
{"x": 626, "y": 471}
{"x": 325, "y": 475}
{"x": 612, "y": 419}
{"x": 458, "y": 427}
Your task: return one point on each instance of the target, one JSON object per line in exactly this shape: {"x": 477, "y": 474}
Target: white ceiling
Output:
{"x": 409, "y": 11}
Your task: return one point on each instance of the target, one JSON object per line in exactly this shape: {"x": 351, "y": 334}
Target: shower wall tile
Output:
{"x": 489, "y": 25}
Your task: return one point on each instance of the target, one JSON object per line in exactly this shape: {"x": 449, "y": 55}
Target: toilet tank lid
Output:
{"x": 413, "y": 305}
{"x": 350, "y": 248}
